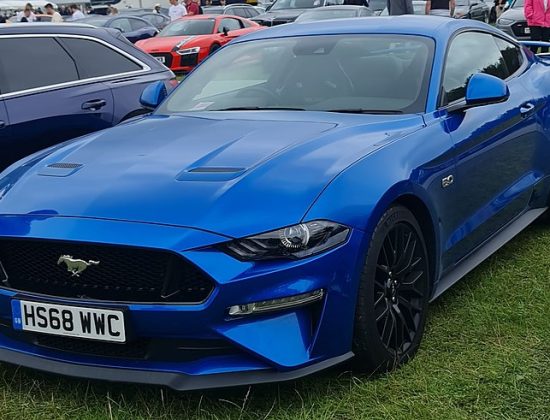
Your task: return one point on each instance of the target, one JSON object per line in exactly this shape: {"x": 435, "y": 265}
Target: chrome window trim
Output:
{"x": 144, "y": 67}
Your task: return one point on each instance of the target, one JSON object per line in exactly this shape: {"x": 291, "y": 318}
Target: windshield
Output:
{"x": 189, "y": 27}
{"x": 382, "y": 73}
{"x": 326, "y": 14}
{"x": 94, "y": 21}
{"x": 296, "y": 4}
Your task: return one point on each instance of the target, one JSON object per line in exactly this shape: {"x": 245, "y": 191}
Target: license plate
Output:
{"x": 70, "y": 321}
{"x": 527, "y": 31}
{"x": 161, "y": 59}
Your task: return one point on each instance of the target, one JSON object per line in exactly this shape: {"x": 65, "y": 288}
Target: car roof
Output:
{"x": 435, "y": 27}
{"x": 49, "y": 28}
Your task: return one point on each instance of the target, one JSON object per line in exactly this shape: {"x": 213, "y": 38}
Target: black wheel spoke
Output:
{"x": 399, "y": 288}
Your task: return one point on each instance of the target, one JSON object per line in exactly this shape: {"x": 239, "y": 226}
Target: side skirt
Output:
{"x": 486, "y": 250}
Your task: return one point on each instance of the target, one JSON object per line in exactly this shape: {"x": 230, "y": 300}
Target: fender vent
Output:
{"x": 63, "y": 165}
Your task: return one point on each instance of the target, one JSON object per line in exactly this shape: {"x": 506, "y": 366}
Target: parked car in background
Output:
{"x": 240, "y": 9}
{"x": 472, "y": 9}
{"x": 185, "y": 42}
{"x": 513, "y": 21}
{"x": 286, "y": 11}
{"x": 132, "y": 27}
{"x": 158, "y": 20}
{"x": 334, "y": 12}
{"x": 62, "y": 81}
{"x": 419, "y": 7}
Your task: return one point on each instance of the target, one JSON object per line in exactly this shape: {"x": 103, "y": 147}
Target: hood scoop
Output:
{"x": 210, "y": 173}
{"x": 60, "y": 169}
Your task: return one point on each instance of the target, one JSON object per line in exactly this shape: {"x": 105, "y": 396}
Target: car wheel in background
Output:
{"x": 214, "y": 48}
{"x": 393, "y": 295}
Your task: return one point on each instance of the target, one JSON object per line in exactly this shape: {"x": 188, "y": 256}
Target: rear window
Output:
{"x": 95, "y": 59}
{"x": 34, "y": 63}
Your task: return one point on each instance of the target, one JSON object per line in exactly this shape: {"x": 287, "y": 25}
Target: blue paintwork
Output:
{"x": 137, "y": 187}
{"x": 36, "y": 121}
{"x": 153, "y": 95}
{"x": 484, "y": 89}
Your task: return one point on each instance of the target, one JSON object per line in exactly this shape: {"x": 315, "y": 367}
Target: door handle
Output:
{"x": 527, "y": 109}
{"x": 94, "y": 105}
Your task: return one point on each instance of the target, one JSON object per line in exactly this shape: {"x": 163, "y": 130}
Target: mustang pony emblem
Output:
{"x": 75, "y": 266}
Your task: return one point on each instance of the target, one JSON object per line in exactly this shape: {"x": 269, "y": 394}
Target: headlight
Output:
{"x": 504, "y": 21}
{"x": 186, "y": 51}
{"x": 293, "y": 242}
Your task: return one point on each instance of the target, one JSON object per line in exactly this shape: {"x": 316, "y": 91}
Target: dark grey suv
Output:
{"x": 513, "y": 22}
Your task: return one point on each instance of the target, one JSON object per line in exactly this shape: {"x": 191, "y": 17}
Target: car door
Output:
{"x": 122, "y": 70}
{"x": 233, "y": 26}
{"x": 45, "y": 101}
{"x": 494, "y": 144}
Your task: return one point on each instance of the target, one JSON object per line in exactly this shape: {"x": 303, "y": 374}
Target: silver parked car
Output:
{"x": 513, "y": 21}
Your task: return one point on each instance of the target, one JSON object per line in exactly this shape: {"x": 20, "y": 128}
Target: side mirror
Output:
{"x": 225, "y": 31}
{"x": 483, "y": 89}
{"x": 153, "y": 95}
{"x": 268, "y": 8}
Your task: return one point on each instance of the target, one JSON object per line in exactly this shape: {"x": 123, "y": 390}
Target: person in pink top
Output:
{"x": 537, "y": 13}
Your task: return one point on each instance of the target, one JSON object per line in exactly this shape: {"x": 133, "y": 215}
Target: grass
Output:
{"x": 486, "y": 355}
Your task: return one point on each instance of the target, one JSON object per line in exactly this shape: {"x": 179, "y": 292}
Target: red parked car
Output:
{"x": 185, "y": 42}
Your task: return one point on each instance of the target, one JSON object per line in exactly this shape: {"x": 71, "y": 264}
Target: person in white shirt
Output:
{"x": 56, "y": 17}
{"x": 76, "y": 13}
{"x": 26, "y": 15}
{"x": 176, "y": 10}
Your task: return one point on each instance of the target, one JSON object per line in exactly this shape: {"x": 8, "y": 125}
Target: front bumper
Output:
{"x": 515, "y": 30}
{"x": 180, "y": 63}
{"x": 276, "y": 346}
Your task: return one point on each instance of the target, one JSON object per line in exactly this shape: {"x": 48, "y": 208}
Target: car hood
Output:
{"x": 232, "y": 173}
{"x": 513, "y": 14}
{"x": 166, "y": 43}
{"x": 283, "y": 14}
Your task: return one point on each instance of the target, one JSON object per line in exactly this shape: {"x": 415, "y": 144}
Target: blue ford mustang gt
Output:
{"x": 296, "y": 202}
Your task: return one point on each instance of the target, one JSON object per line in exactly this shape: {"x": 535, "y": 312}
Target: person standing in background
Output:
{"x": 176, "y": 10}
{"x": 56, "y": 17}
{"x": 192, "y": 8}
{"x": 400, "y": 7}
{"x": 156, "y": 9}
{"x": 26, "y": 15}
{"x": 444, "y": 8}
{"x": 76, "y": 13}
{"x": 537, "y": 13}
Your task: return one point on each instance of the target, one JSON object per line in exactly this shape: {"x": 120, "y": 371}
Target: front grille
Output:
{"x": 153, "y": 349}
{"x": 189, "y": 60}
{"x": 124, "y": 274}
{"x": 519, "y": 28}
{"x": 167, "y": 58}
{"x": 135, "y": 350}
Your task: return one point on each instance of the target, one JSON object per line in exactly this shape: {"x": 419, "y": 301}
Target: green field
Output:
{"x": 486, "y": 354}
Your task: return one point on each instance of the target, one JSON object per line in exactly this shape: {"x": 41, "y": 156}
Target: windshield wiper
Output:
{"x": 259, "y": 108}
{"x": 366, "y": 111}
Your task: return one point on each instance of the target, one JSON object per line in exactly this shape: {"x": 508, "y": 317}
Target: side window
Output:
{"x": 33, "y": 63}
{"x": 470, "y": 53}
{"x": 252, "y": 12}
{"x": 511, "y": 53}
{"x": 230, "y": 24}
{"x": 123, "y": 25}
{"x": 96, "y": 60}
{"x": 137, "y": 24}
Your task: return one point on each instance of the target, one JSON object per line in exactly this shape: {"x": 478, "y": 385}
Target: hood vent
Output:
{"x": 210, "y": 173}
{"x": 60, "y": 169}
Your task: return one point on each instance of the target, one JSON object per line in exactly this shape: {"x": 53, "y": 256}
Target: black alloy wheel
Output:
{"x": 393, "y": 294}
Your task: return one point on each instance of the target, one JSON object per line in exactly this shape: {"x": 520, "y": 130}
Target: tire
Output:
{"x": 392, "y": 300}
{"x": 214, "y": 48}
